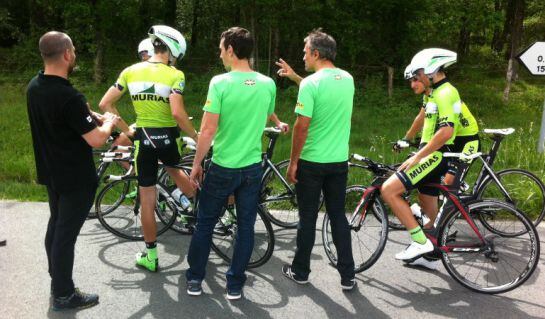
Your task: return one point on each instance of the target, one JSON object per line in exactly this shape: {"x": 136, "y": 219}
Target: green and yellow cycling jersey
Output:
{"x": 443, "y": 108}
{"x": 149, "y": 85}
{"x": 467, "y": 123}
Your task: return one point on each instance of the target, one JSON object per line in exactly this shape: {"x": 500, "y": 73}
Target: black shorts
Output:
{"x": 430, "y": 171}
{"x": 463, "y": 144}
{"x": 153, "y": 145}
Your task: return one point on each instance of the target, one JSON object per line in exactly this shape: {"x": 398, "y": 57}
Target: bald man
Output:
{"x": 63, "y": 134}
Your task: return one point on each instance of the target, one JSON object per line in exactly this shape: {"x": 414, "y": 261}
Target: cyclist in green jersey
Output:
{"x": 467, "y": 138}
{"x": 156, "y": 89}
{"x": 145, "y": 52}
{"x": 427, "y": 165}
{"x": 466, "y": 141}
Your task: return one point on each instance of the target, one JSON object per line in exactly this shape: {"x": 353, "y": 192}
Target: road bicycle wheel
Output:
{"x": 104, "y": 169}
{"x": 225, "y": 234}
{"x": 500, "y": 263}
{"x": 184, "y": 222}
{"x": 369, "y": 235}
{"x": 525, "y": 189}
{"x": 278, "y": 197}
{"x": 118, "y": 210}
{"x": 359, "y": 175}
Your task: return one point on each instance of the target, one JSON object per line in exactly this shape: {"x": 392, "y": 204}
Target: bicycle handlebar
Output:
{"x": 405, "y": 144}
{"x": 272, "y": 130}
{"x": 463, "y": 156}
{"x": 358, "y": 157}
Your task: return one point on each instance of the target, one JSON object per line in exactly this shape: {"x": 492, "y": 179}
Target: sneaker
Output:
{"x": 425, "y": 263}
{"x": 414, "y": 250}
{"x": 194, "y": 288}
{"x": 234, "y": 294}
{"x": 348, "y": 284}
{"x": 77, "y": 300}
{"x": 142, "y": 260}
{"x": 287, "y": 271}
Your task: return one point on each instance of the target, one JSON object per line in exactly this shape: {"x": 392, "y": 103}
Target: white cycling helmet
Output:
{"x": 147, "y": 46}
{"x": 408, "y": 72}
{"x": 171, "y": 37}
{"x": 432, "y": 59}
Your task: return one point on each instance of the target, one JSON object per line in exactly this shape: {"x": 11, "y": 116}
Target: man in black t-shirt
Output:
{"x": 63, "y": 132}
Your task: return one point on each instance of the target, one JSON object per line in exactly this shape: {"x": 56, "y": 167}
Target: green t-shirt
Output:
{"x": 244, "y": 101}
{"x": 327, "y": 97}
{"x": 443, "y": 108}
{"x": 150, "y": 85}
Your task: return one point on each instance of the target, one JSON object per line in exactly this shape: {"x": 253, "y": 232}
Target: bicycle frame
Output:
{"x": 486, "y": 171}
{"x": 369, "y": 197}
{"x": 267, "y": 155}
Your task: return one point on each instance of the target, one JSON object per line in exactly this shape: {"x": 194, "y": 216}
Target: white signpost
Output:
{"x": 533, "y": 58}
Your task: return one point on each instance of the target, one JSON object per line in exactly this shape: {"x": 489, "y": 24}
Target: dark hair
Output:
{"x": 240, "y": 40}
{"x": 323, "y": 43}
{"x": 53, "y": 44}
{"x": 159, "y": 46}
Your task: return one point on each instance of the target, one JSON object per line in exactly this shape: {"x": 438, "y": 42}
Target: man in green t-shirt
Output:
{"x": 156, "y": 89}
{"x": 237, "y": 107}
{"x": 319, "y": 154}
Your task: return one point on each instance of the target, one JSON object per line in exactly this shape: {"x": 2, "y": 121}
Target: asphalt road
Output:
{"x": 105, "y": 265}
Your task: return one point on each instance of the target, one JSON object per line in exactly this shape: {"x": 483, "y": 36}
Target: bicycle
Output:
{"x": 516, "y": 186}
{"x": 471, "y": 252}
{"x": 278, "y": 196}
{"x": 122, "y": 217}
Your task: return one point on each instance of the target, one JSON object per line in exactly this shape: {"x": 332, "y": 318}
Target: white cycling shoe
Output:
{"x": 414, "y": 250}
{"x": 425, "y": 263}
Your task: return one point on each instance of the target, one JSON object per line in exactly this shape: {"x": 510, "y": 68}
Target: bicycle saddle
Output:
{"x": 500, "y": 131}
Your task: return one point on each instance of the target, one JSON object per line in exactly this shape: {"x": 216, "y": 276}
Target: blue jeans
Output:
{"x": 219, "y": 183}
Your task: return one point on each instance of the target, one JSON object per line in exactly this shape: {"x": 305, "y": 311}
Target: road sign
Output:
{"x": 533, "y": 58}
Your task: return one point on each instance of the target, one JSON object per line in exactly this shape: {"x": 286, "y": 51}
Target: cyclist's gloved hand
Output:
{"x": 400, "y": 144}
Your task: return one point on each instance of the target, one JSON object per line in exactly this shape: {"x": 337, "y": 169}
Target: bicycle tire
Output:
{"x": 527, "y": 190}
{"x": 356, "y": 177}
{"x": 225, "y": 232}
{"x": 460, "y": 263}
{"x": 123, "y": 217}
{"x": 367, "y": 227}
{"x": 184, "y": 223}
{"x": 284, "y": 212}
{"x": 101, "y": 172}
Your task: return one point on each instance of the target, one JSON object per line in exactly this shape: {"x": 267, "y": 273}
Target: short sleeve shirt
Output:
{"x": 59, "y": 116}
{"x": 442, "y": 109}
{"x": 327, "y": 97}
{"x": 150, "y": 85}
{"x": 244, "y": 101}
{"x": 468, "y": 124}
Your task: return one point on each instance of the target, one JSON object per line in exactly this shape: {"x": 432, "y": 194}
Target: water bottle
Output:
{"x": 181, "y": 199}
{"x": 417, "y": 212}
